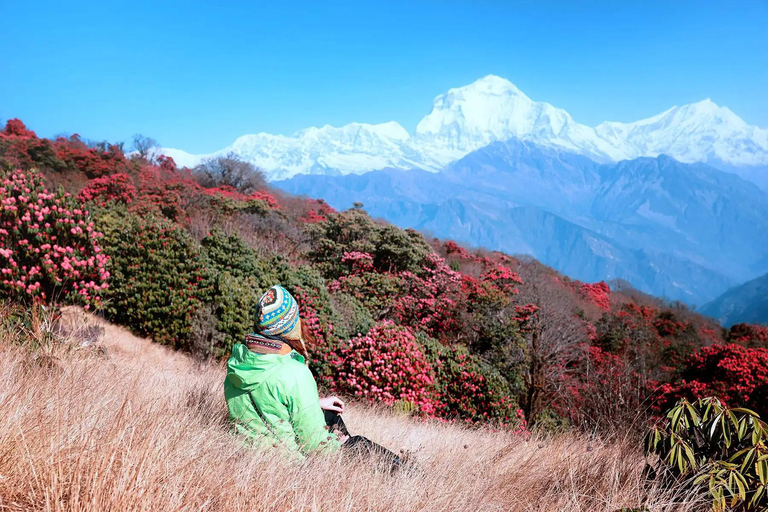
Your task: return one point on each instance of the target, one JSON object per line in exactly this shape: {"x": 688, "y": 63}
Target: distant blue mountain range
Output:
{"x": 745, "y": 303}
{"x": 682, "y": 231}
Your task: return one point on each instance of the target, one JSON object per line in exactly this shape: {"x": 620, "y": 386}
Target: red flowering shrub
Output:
{"x": 524, "y": 313}
{"x": 452, "y": 248}
{"x": 94, "y": 162}
{"x": 467, "y": 390}
{"x": 386, "y": 365}
{"x": 117, "y": 188}
{"x": 170, "y": 192}
{"x": 597, "y": 293}
{"x": 166, "y": 163}
{"x": 21, "y": 148}
{"x": 158, "y": 193}
{"x": 430, "y": 302}
{"x": 358, "y": 261}
{"x": 749, "y": 335}
{"x": 16, "y": 127}
{"x": 48, "y": 247}
{"x": 655, "y": 342}
{"x": 313, "y": 216}
{"x": 309, "y": 315}
{"x": 503, "y": 278}
{"x": 737, "y": 375}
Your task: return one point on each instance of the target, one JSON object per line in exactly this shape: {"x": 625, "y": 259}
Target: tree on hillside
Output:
{"x": 555, "y": 338}
{"x": 143, "y": 146}
{"x": 230, "y": 171}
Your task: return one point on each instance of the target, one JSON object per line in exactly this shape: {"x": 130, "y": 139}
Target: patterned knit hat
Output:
{"x": 277, "y": 314}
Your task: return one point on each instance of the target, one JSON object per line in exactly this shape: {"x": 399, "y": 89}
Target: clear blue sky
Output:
{"x": 195, "y": 75}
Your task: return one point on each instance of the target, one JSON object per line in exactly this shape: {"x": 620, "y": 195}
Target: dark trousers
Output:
{"x": 360, "y": 446}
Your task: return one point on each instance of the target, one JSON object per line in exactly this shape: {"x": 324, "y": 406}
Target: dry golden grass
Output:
{"x": 141, "y": 428}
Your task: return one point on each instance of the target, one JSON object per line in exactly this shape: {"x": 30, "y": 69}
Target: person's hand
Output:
{"x": 332, "y": 403}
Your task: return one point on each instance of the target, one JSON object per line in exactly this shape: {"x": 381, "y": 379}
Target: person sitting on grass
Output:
{"x": 272, "y": 396}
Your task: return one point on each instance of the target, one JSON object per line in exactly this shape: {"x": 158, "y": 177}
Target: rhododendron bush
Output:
{"x": 49, "y": 249}
{"x": 94, "y": 162}
{"x": 148, "y": 186}
{"x": 21, "y": 147}
{"x": 386, "y": 365}
{"x": 391, "y": 249}
{"x": 390, "y": 364}
{"x": 235, "y": 278}
{"x": 430, "y": 301}
{"x": 468, "y": 390}
{"x": 596, "y": 293}
{"x": 749, "y": 335}
{"x": 737, "y": 375}
{"x": 100, "y": 191}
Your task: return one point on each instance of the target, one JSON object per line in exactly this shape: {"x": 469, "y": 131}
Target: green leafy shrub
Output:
{"x": 376, "y": 292}
{"x": 236, "y": 278}
{"x": 354, "y": 317}
{"x": 722, "y": 451}
{"x": 229, "y": 253}
{"x": 157, "y": 276}
{"x": 392, "y": 249}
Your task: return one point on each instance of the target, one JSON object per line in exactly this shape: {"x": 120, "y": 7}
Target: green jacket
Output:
{"x": 272, "y": 399}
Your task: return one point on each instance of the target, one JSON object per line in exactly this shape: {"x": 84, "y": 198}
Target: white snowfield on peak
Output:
{"x": 468, "y": 118}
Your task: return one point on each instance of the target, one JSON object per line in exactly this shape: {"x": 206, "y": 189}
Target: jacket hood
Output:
{"x": 246, "y": 369}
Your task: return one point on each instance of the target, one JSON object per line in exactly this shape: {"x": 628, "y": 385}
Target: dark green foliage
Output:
{"x": 719, "y": 450}
{"x": 229, "y": 253}
{"x": 354, "y": 316}
{"x": 229, "y": 205}
{"x": 393, "y": 249}
{"x": 236, "y": 279}
{"x": 157, "y": 275}
{"x": 376, "y": 292}
{"x": 399, "y": 250}
{"x": 234, "y": 303}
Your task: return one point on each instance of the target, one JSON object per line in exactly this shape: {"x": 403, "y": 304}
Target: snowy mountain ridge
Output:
{"x": 468, "y": 118}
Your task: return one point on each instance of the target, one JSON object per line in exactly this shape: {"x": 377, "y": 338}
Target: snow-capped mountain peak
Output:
{"x": 467, "y": 118}
{"x": 492, "y": 108}
{"x": 697, "y": 132}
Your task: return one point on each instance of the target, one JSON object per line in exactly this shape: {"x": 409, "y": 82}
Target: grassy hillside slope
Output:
{"x": 124, "y": 424}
